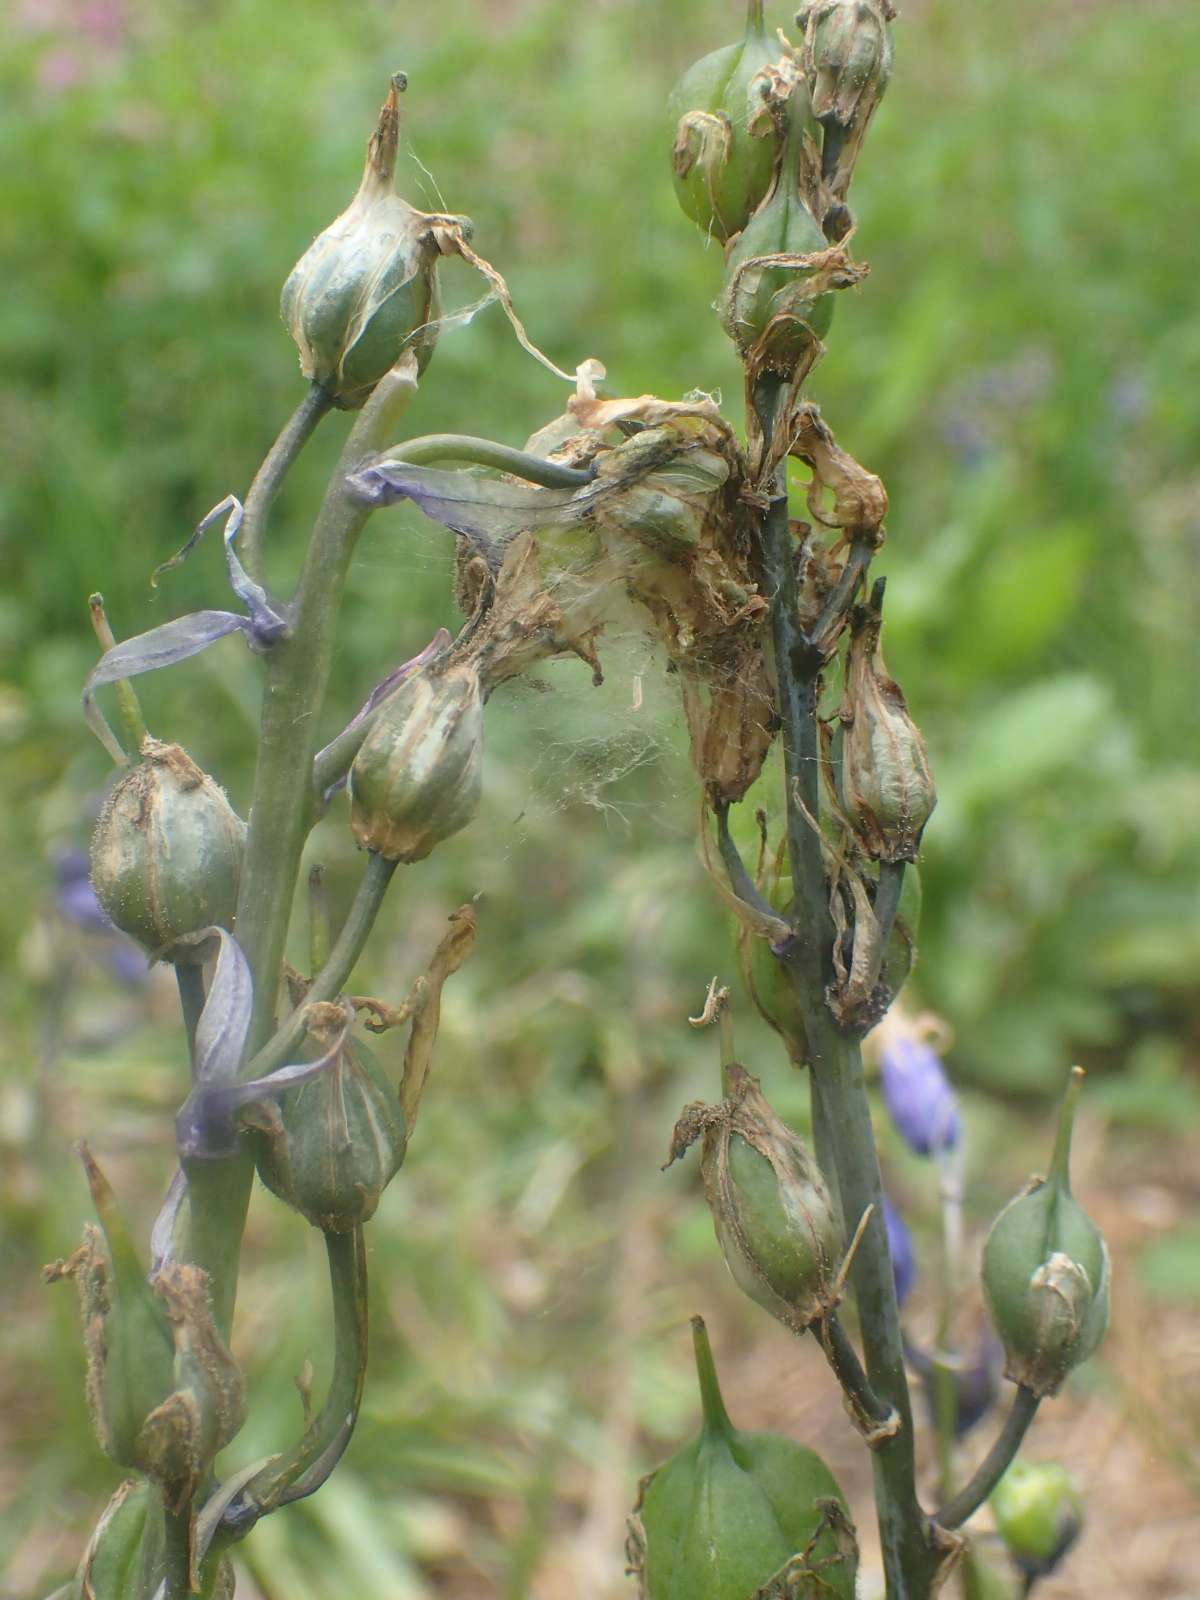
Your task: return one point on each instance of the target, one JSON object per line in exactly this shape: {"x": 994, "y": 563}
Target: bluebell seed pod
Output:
{"x": 418, "y": 776}
{"x": 167, "y": 850}
{"x": 726, "y": 131}
{"x": 848, "y": 61}
{"x": 922, "y": 1105}
{"x": 1045, "y": 1272}
{"x": 333, "y": 1144}
{"x": 885, "y": 788}
{"x": 366, "y": 289}
{"x": 735, "y": 1514}
{"x": 1039, "y": 1514}
{"x": 125, "y": 1550}
{"x": 771, "y": 1210}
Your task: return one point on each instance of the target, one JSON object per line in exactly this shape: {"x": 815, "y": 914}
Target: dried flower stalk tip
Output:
{"x": 366, "y": 289}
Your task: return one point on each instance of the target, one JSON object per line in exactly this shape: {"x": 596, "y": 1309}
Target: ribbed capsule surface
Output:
{"x": 418, "y": 777}
{"x": 167, "y": 850}
{"x": 335, "y": 1143}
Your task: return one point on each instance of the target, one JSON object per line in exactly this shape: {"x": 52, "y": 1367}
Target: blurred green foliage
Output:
{"x": 1019, "y": 367}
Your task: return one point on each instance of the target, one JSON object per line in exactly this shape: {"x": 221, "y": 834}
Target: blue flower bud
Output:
{"x": 917, "y": 1093}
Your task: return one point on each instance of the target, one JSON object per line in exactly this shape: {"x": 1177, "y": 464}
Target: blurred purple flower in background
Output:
{"x": 900, "y": 1244}
{"x": 75, "y": 901}
{"x": 917, "y": 1092}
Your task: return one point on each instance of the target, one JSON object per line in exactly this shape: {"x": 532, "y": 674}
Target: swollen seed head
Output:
{"x": 167, "y": 850}
{"x": 732, "y": 1511}
{"x": 1045, "y": 1275}
{"x": 334, "y": 1143}
{"x": 772, "y": 1213}
{"x": 366, "y": 288}
{"x": 418, "y": 776}
{"x": 885, "y": 787}
{"x": 726, "y": 133}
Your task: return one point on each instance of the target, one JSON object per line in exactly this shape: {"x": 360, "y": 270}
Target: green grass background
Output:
{"x": 1020, "y": 367}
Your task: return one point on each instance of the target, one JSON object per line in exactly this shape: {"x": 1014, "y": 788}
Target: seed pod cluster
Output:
{"x": 333, "y": 1144}
{"x": 734, "y": 1514}
{"x": 418, "y": 776}
{"x": 1046, "y": 1272}
{"x": 167, "y": 850}
{"x": 772, "y": 1212}
{"x": 367, "y": 287}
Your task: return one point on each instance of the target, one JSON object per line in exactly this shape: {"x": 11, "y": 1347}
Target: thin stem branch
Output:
{"x": 995, "y": 1464}
{"x": 848, "y": 1370}
{"x": 331, "y": 980}
{"x": 189, "y": 980}
{"x": 302, "y": 1470}
{"x": 486, "y": 453}
{"x": 296, "y": 677}
{"x": 887, "y": 899}
{"x": 260, "y": 496}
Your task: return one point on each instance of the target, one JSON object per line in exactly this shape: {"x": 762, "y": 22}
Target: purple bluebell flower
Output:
{"x": 976, "y": 1385}
{"x": 900, "y": 1246}
{"x": 920, "y": 1101}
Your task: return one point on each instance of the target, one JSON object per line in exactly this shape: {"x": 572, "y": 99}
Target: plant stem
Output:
{"x": 302, "y": 1470}
{"x": 260, "y": 497}
{"x": 995, "y": 1464}
{"x": 189, "y": 980}
{"x": 486, "y": 453}
{"x": 331, "y": 980}
{"x": 910, "y": 1561}
{"x": 176, "y": 1581}
{"x": 297, "y": 673}
{"x": 848, "y": 1370}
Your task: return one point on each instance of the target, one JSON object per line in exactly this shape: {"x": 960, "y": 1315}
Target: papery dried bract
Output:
{"x": 367, "y": 287}
{"x": 848, "y": 60}
{"x": 167, "y": 850}
{"x": 885, "y": 788}
{"x": 418, "y": 776}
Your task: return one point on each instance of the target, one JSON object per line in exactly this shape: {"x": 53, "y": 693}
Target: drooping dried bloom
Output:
{"x": 367, "y": 287}
{"x": 773, "y": 1215}
{"x": 167, "y": 850}
{"x": 885, "y": 788}
{"x": 848, "y": 61}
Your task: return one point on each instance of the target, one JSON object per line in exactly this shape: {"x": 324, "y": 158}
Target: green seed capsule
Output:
{"x": 1039, "y": 1512}
{"x": 367, "y": 288}
{"x": 1045, "y": 1273}
{"x": 772, "y": 1212}
{"x": 167, "y": 850}
{"x": 733, "y": 1511}
{"x": 335, "y": 1142}
{"x": 726, "y": 137}
{"x": 418, "y": 776}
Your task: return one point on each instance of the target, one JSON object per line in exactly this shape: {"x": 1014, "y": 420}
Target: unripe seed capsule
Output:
{"x": 167, "y": 850}
{"x": 418, "y": 777}
{"x": 726, "y": 137}
{"x": 1039, "y": 1512}
{"x": 733, "y": 1511}
{"x": 1045, "y": 1273}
